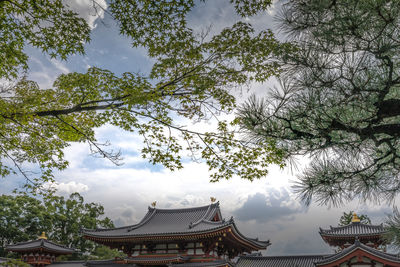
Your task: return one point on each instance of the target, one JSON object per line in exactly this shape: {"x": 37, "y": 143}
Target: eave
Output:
{"x": 42, "y": 246}
{"x": 228, "y": 231}
{"x": 359, "y": 250}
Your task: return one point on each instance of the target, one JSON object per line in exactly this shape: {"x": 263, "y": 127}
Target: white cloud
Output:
{"x": 68, "y": 188}
{"x": 272, "y": 9}
{"x": 126, "y": 192}
{"x": 45, "y": 74}
{"x": 89, "y": 10}
{"x": 275, "y": 204}
{"x": 59, "y": 66}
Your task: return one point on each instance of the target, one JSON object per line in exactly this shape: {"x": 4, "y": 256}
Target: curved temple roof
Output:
{"x": 156, "y": 260}
{"x": 360, "y": 246}
{"x": 38, "y": 244}
{"x": 174, "y": 222}
{"x": 354, "y": 229}
{"x": 317, "y": 260}
{"x": 216, "y": 263}
{"x": 279, "y": 261}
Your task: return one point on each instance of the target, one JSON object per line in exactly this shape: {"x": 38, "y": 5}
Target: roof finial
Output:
{"x": 355, "y": 218}
{"x": 213, "y": 199}
{"x": 153, "y": 204}
{"x": 43, "y": 236}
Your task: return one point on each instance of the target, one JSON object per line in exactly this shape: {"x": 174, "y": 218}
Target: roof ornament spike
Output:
{"x": 42, "y": 236}
{"x": 355, "y": 218}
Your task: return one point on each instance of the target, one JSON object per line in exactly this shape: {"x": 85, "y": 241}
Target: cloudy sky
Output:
{"x": 266, "y": 208}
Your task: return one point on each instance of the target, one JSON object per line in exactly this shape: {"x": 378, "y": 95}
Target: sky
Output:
{"x": 265, "y": 208}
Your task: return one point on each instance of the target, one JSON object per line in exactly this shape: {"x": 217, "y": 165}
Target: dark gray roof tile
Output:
{"x": 107, "y": 263}
{"x": 217, "y": 263}
{"x": 310, "y": 260}
{"x": 67, "y": 264}
{"x": 354, "y": 229}
{"x": 166, "y": 221}
{"x": 279, "y": 261}
{"x": 155, "y": 260}
{"x": 40, "y": 243}
{"x": 359, "y": 245}
{"x": 173, "y": 222}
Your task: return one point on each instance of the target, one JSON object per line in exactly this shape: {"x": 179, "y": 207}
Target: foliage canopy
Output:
{"x": 14, "y": 263}
{"x": 23, "y": 218}
{"x": 392, "y": 224}
{"x": 193, "y": 77}
{"x": 339, "y": 99}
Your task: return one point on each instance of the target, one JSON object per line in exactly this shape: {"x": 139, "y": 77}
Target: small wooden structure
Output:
{"x": 359, "y": 246}
{"x": 40, "y": 252}
{"x": 345, "y": 236}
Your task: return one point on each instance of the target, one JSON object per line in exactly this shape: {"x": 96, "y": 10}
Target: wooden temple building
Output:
{"x": 200, "y": 237}
{"x": 345, "y": 236}
{"x": 184, "y": 237}
{"x": 40, "y": 252}
{"x": 357, "y": 244}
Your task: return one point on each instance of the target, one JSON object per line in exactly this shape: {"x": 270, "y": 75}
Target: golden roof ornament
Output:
{"x": 213, "y": 199}
{"x": 43, "y": 236}
{"x": 355, "y": 218}
{"x": 153, "y": 204}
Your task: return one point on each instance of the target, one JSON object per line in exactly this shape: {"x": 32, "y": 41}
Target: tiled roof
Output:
{"x": 67, "y": 264}
{"x": 279, "y": 261}
{"x": 156, "y": 260}
{"x": 90, "y": 263}
{"x": 216, "y": 263}
{"x": 177, "y": 222}
{"x": 311, "y": 260}
{"x": 166, "y": 221}
{"x": 112, "y": 263}
{"x": 354, "y": 229}
{"x": 40, "y": 244}
{"x": 355, "y": 246}
{"x": 106, "y": 263}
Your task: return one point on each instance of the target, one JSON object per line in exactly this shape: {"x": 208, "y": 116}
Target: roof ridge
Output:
{"x": 67, "y": 261}
{"x": 215, "y": 222}
{"x": 144, "y": 221}
{"x": 221, "y": 223}
{"x": 191, "y": 225}
{"x": 22, "y": 243}
{"x": 217, "y": 227}
{"x": 40, "y": 243}
{"x": 359, "y": 224}
{"x": 351, "y": 225}
{"x": 286, "y": 256}
{"x": 60, "y": 245}
{"x": 105, "y": 229}
{"x": 185, "y": 209}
